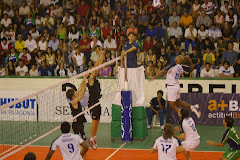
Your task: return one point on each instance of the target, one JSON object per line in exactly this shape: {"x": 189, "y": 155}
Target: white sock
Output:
{"x": 192, "y": 107}
{"x": 94, "y": 137}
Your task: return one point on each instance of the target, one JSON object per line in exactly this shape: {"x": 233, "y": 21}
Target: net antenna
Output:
{"x": 49, "y": 95}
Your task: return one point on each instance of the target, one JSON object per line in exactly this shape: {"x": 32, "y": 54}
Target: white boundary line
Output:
{"x": 116, "y": 151}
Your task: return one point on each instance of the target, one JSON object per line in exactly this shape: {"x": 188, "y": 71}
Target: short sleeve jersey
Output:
{"x": 69, "y": 146}
{"x": 231, "y": 138}
{"x": 166, "y": 148}
{"x": 174, "y": 73}
{"x": 131, "y": 56}
{"x": 187, "y": 126}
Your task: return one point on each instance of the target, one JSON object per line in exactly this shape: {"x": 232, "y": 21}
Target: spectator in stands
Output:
{"x": 140, "y": 57}
{"x": 175, "y": 31}
{"x": 106, "y": 30}
{"x": 79, "y": 60}
{"x": 29, "y": 21}
{"x": 196, "y": 60}
{"x": 84, "y": 45}
{"x": 174, "y": 18}
{"x": 132, "y": 28}
{"x": 149, "y": 70}
{"x": 10, "y": 69}
{"x": 31, "y": 45}
{"x": 2, "y": 72}
{"x": 219, "y": 19}
{"x": 237, "y": 68}
{"x": 95, "y": 42}
{"x": 214, "y": 33}
{"x": 84, "y": 30}
{"x": 105, "y": 71}
{"x": 68, "y": 20}
{"x": 202, "y": 34}
{"x": 147, "y": 44}
{"x": 62, "y": 32}
{"x": 39, "y": 58}
{"x": 83, "y": 9}
{"x": 24, "y": 32}
{"x": 30, "y": 156}
{"x": 151, "y": 31}
{"x": 230, "y": 55}
{"x": 24, "y": 9}
{"x": 195, "y": 10}
{"x": 110, "y": 44}
{"x": 58, "y": 11}
{"x": 121, "y": 10}
{"x": 209, "y": 57}
{"x": 105, "y": 10}
{"x": 48, "y": 22}
{"x": 109, "y": 56}
{"x": 5, "y": 46}
{"x": 33, "y": 71}
{"x": 185, "y": 20}
{"x": 60, "y": 57}
{"x": 34, "y": 33}
{"x": 24, "y": 56}
{"x": 209, "y": 7}
{"x": 163, "y": 58}
{"x": 9, "y": 12}
{"x": 94, "y": 20}
{"x": 143, "y": 22}
{"x": 203, "y": 19}
{"x": 158, "y": 68}
{"x": 21, "y": 69}
{"x": 150, "y": 56}
{"x": 208, "y": 44}
{"x": 226, "y": 71}
{"x": 50, "y": 59}
{"x": 225, "y": 8}
{"x": 173, "y": 49}
{"x": 53, "y": 43}
{"x": 42, "y": 45}
{"x": 62, "y": 71}
{"x": 120, "y": 44}
{"x": 227, "y": 33}
{"x": 6, "y": 22}
{"x": 13, "y": 56}
{"x": 44, "y": 70}
{"x": 71, "y": 71}
{"x": 207, "y": 71}
{"x": 221, "y": 48}
{"x": 130, "y": 49}
{"x": 231, "y": 18}
{"x": 157, "y": 106}
{"x": 190, "y": 36}
{"x": 175, "y": 7}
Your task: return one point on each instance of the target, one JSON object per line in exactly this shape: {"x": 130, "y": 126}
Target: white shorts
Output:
{"x": 173, "y": 93}
{"x": 191, "y": 145}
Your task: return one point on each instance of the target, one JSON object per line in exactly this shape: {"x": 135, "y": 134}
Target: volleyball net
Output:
{"x": 29, "y": 118}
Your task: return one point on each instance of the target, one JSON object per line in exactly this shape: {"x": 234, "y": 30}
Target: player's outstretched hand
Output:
{"x": 210, "y": 142}
{"x": 177, "y": 129}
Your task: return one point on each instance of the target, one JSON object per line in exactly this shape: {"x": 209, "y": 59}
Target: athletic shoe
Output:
{"x": 149, "y": 126}
{"x": 92, "y": 144}
{"x": 195, "y": 110}
{"x": 162, "y": 127}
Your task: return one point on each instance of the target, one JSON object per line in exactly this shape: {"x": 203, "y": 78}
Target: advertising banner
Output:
{"x": 213, "y": 106}
{"x": 24, "y": 111}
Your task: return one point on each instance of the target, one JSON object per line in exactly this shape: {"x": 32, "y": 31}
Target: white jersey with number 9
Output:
{"x": 69, "y": 146}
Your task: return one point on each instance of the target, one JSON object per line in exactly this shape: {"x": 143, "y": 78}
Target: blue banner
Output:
{"x": 213, "y": 106}
{"x": 126, "y": 109}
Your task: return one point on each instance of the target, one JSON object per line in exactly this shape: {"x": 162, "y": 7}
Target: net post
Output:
{"x": 125, "y": 73}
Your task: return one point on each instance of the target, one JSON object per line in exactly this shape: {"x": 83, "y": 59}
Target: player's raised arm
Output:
{"x": 190, "y": 63}
{"x": 160, "y": 74}
{"x": 80, "y": 92}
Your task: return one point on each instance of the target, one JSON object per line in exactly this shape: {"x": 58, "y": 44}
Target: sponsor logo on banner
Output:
{"x": 213, "y": 106}
{"x": 23, "y": 111}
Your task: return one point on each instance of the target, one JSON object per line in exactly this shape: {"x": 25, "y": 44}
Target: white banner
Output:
{"x": 24, "y": 111}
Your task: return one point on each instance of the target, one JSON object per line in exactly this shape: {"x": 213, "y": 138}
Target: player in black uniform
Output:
{"x": 94, "y": 96}
{"x": 74, "y": 98}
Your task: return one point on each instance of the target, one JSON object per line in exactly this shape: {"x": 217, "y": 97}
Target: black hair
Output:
{"x": 194, "y": 48}
{"x": 131, "y": 33}
{"x": 208, "y": 64}
{"x": 226, "y": 62}
{"x": 65, "y": 127}
{"x": 30, "y": 156}
{"x": 184, "y": 112}
{"x": 229, "y": 120}
{"x": 160, "y": 91}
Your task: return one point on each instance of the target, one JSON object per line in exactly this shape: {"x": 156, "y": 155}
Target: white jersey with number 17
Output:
{"x": 69, "y": 146}
{"x": 166, "y": 148}
{"x": 174, "y": 73}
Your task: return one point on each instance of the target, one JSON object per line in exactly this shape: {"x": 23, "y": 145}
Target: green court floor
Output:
{"x": 104, "y": 138}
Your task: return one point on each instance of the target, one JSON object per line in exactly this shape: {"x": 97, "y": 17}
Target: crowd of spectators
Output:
{"x": 63, "y": 37}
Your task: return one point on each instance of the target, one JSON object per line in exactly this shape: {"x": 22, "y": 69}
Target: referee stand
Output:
{"x": 128, "y": 122}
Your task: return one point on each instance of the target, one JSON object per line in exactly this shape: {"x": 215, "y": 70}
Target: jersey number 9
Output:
{"x": 71, "y": 147}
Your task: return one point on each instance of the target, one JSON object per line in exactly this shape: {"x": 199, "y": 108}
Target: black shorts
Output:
{"x": 96, "y": 111}
{"x": 78, "y": 128}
